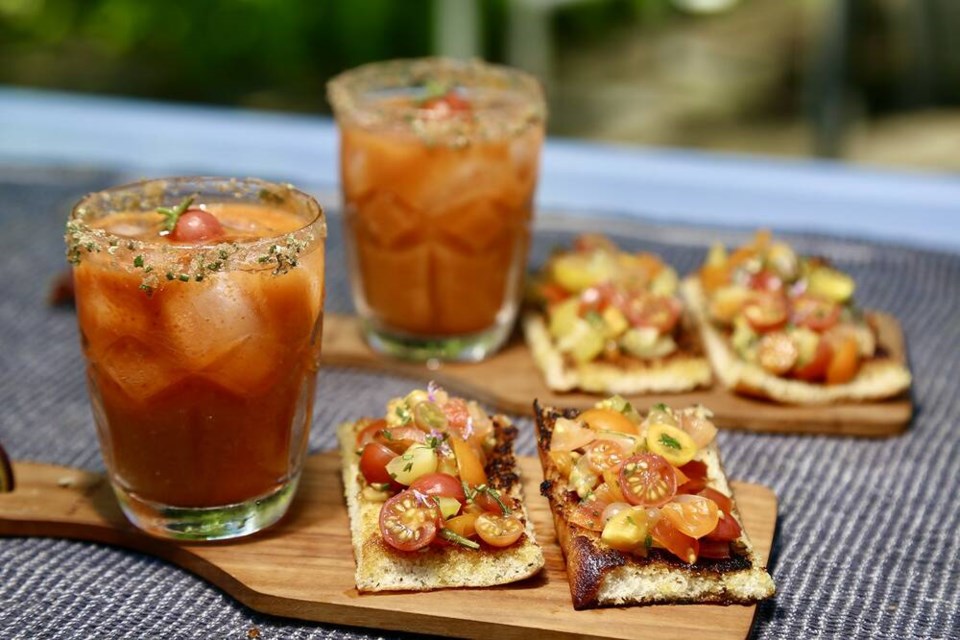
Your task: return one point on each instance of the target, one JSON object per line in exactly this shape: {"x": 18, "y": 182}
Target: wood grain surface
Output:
{"x": 510, "y": 381}
{"x": 303, "y": 566}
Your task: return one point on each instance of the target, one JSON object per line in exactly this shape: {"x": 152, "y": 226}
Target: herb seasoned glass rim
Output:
{"x": 160, "y": 260}
{"x": 388, "y": 95}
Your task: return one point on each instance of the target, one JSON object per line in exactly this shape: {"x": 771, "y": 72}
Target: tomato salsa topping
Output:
{"x": 602, "y": 303}
{"x": 639, "y": 481}
{"x": 426, "y": 461}
{"x": 792, "y": 315}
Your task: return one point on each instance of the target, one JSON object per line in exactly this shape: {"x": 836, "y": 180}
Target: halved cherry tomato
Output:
{"x": 569, "y": 435}
{"x": 700, "y": 428}
{"x": 588, "y": 514}
{"x": 777, "y": 353}
{"x": 647, "y": 479}
{"x": 458, "y": 417}
{"x": 815, "y": 313}
{"x": 816, "y": 369}
{"x": 727, "y": 528}
{"x": 409, "y": 521}
{"x": 608, "y": 420}
{"x": 766, "y": 312}
{"x": 373, "y": 462}
{"x": 399, "y": 439}
{"x": 604, "y": 454}
{"x": 714, "y": 549}
{"x": 196, "y": 225}
{"x": 682, "y": 478}
{"x": 844, "y": 363}
{"x": 766, "y": 280}
{"x": 694, "y": 516}
{"x": 469, "y": 467}
{"x": 498, "y": 530}
{"x": 369, "y": 433}
{"x": 695, "y": 469}
{"x": 674, "y": 444}
{"x": 488, "y": 503}
{"x": 450, "y": 103}
{"x": 659, "y": 312}
{"x": 439, "y": 484}
{"x": 666, "y": 535}
{"x": 724, "y": 502}
{"x": 609, "y": 489}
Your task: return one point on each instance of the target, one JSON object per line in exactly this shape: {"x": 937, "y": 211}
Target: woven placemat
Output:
{"x": 867, "y": 544}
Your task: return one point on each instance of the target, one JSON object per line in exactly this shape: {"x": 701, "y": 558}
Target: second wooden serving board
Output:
{"x": 303, "y": 567}
{"x": 510, "y": 381}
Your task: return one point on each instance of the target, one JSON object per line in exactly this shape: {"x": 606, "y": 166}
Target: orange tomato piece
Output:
{"x": 844, "y": 363}
{"x": 609, "y": 420}
{"x": 668, "y": 537}
{"x": 692, "y": 515}
{"x": 569, "y": 435}
{"x": 469, "y": 467}
{"x": 463, "y": 525}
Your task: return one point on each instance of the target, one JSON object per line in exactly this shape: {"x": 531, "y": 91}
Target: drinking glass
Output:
{"x": 438, "y": 163}
{"x": 201, "y": 356}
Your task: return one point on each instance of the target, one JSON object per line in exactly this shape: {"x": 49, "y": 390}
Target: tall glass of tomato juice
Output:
{"x": 200, "y": 308}
{"x": 439, "y": 162}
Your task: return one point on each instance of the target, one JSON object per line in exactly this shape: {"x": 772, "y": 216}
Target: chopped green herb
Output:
{"x": 667, "y": 441}
{"x": 661, "y": 407}
{"x": 138, "y": 261}
{"x": 451, "y": 536}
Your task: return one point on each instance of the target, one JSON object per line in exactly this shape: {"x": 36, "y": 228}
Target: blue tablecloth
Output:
{"x": 867, "y": 542}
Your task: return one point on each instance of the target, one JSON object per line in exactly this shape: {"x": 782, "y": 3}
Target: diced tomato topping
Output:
{"x": 647, "y": 479}
{"x": 399, "y": 439}
{"x": 409, "y": 521}
{"x": 588, "y": 514}
{"x": 815, "y": 313}
{"x": 844, "y": 363}
{"x": 816, "y": 369}
{"x": 714, "y": 549}
{"x": 766, "y": 312}
{"x": 666, "y": 535}
{"x": 369, "y": 433}
{"x": 724, "y": 502}
{"x": 373, "y": 463}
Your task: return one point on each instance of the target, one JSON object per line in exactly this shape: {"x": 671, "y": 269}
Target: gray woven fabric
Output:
{"x": 867, "y": 542}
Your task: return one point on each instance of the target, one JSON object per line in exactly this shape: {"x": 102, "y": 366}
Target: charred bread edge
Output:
{"x": 600, "y": 576}
{"x": 680, "y": 373}
{"x": 380, "y": 568}
{"x": 878, "y": 378}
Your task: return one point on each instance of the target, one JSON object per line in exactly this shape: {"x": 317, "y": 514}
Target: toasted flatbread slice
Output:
{"x": 382, "y": 568}
{"x": 878, "y": 378}
{"x": 601, "y": 576}
{"x": 682, "y": 370}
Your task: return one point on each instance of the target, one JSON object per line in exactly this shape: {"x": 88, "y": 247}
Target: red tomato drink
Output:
{"x": 201, "y": 330}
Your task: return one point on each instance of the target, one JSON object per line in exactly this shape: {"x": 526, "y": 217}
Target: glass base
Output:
{"x": 207, "y": 523}
{"x": 472, "y": 347}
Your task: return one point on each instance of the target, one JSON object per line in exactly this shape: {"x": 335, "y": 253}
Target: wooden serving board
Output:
{"x": 303, "y": 566}
{"x": 510, "y": 381}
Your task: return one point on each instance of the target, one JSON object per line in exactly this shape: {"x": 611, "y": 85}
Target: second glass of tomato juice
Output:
{"x": 200, "y": 308}
{"x": 439, "y": 162}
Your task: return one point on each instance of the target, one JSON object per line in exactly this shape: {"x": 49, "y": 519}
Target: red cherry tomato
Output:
{"x": 816, "y": 369}
{"x": 449, "y": 104}
{"x": 714, "y": 549}
{"x": 196, "y": 225}
{"x": 373, "y": 463}
{"x": 723, "y": 501}
{"x": 659, "y": 312}
{"x": 766, "y": 281}
{"x": 647, "y": 479}
{"x": 727, "y": 529}
{"x": 696, "y": 473}
{"x": 399, "y": 439}
{"x": 439, "y": 484}
{"x": 409, "y": 521}
{"x": 815, "y": 313}
{"x": 670, "y": 538}
{"x": 486, "y": 502}
{"x": 766, "y": 312}
{"x": 369, "y": 433}
{"x": 588, "y": 514}
{"x": 777, "y": 353}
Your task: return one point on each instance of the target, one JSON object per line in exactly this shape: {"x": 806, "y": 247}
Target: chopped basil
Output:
{"x": 667, "y": 441}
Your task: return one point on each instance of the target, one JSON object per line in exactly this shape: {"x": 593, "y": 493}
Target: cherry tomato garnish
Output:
{"x": 659, "y": 312}
{"x": 369, "y": 433}
{"x": 196, "y": 225}
{"x": 647, "y": 479}
{"x": 766, "y": 280}
{"x": 815, "y": 313}
{"x": 373, "y": 463}
{"x": 458, "y": 417}
{"x": 469, "y": 467}
{"x": 439, "y": 484}
{"x": 714, "y": 549}
{"x": 498, "y": 530}
{"x": 569, "y": 435}
{"x": 409, "y": 521}
{"x": 727, "y": 528}
{"x": 604, "y": 454}
{"x": 487, "y": 502}
{"x": 399, "y": 439}
{"x": 766, "y": 312}
{"x": 723, "y": 501}
{"x": 694, "y": 516}
{"x": 673, "y": 540}
{"x": 608, "y": 420}
{"x": 588, "y": 514}
{"x": 844, "y": 363}
{"x": 777, "y": 353}
{"x": 816, "y": 368}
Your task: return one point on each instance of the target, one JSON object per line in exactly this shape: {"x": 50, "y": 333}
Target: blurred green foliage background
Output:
{"x": 869, "y": 80}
